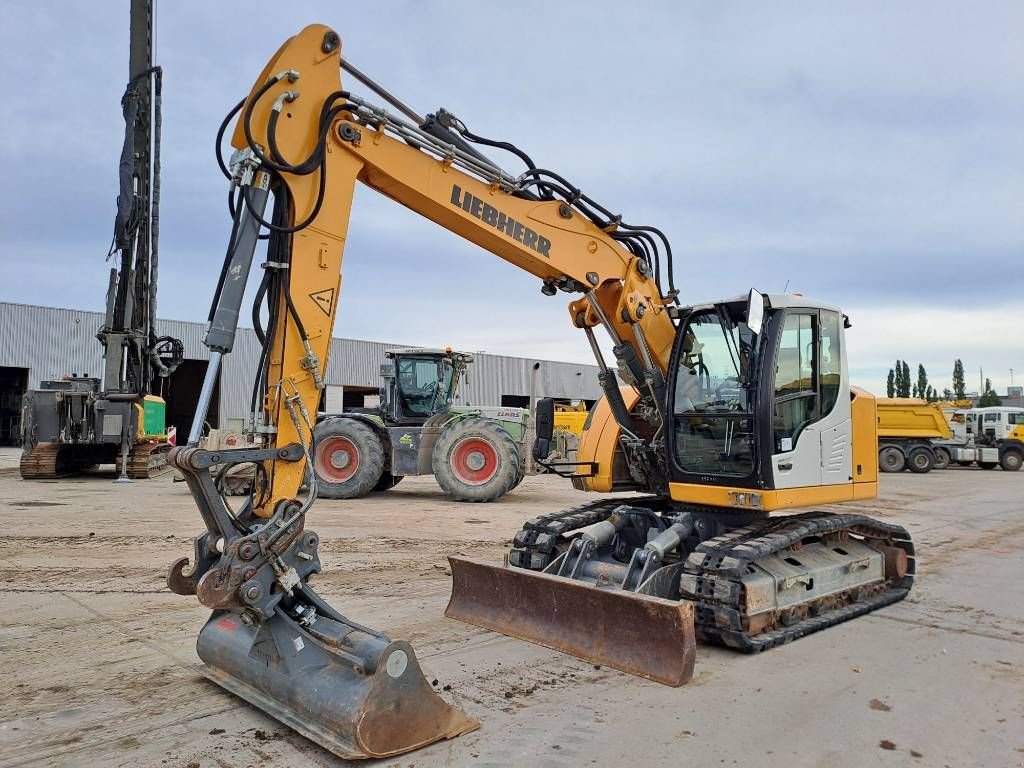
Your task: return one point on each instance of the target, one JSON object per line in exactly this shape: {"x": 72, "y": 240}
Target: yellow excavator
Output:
{"x": 715, "y": 414}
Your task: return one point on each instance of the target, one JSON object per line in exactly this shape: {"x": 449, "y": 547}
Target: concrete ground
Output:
{"x": 98, "y": 667}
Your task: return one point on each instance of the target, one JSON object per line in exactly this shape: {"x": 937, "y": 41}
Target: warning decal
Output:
{"x": 324, "y": 299}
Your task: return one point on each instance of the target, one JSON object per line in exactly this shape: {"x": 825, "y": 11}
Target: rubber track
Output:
{"x": 147, "y": 460}
{"x": 41, "y": 462}
{"x": 716, "y": 567}
{"x": 534, "y": 545}
{"x": 714, "y": 571}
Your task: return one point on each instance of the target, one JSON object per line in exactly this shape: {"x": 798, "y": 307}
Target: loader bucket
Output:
{"x": 639, "y": 634}
{"x": 370, "y": 700}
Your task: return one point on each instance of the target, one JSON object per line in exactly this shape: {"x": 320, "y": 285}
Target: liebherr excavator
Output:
{"x": 726, "y": 412}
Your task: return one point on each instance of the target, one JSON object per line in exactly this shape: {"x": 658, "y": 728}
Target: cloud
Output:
{"x": 866, "y": 154}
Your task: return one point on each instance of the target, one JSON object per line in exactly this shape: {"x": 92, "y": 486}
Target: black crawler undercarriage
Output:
{"x": 755, "y": 581}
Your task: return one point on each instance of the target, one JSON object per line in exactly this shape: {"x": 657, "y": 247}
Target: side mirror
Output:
{"x": 544, "y": 423}
{"x": 755, "y": 312}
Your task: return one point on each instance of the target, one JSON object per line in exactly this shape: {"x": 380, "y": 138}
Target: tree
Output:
{"x": 898, "y": 378}
{"x": 929, "y": 394}
{"x": 959, "y": 387}
{"x": 989, "y": 397}
{"x": 905, "y": 389}
{"x": 921, "y": 387}
{"x": 947, "y": 393}
{"x": 890, "y": 384}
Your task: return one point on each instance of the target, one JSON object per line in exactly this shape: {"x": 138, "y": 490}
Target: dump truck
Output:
{"x": 915, "y": 434}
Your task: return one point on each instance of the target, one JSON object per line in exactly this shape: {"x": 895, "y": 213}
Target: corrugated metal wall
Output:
{"x": 52, "y": 342}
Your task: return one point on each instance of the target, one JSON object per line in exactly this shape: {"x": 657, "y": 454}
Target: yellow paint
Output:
{"x": 865, "y": 438}
{"x": 912, "y": 417}
{"x": 600, "y": 442}
{"x": 769, "y": 501}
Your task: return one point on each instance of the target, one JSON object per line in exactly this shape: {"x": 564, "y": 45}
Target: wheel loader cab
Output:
{"x": 757, "y": 420}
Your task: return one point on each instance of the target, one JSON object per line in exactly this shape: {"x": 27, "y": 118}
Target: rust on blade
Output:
{"x": 639, "y": 634}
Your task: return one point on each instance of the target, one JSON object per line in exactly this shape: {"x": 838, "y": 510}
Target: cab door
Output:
{"x": 811, "y": 427}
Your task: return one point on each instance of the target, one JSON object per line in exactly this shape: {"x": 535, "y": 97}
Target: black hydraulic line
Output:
{"x": 321, "y": 188}
{"x": 327, "y": 114}
{"x": 507, "y": 146}
{"x": 220, "y": 139}
{"x": 257, "y": 304}
{"x": 610, "y": 387}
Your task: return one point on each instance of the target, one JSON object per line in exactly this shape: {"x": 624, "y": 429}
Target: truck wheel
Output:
{"x": 475, "y": 460}
{"x": 347, "y": 457}
{"x": 920, "y": 460}
{"x": 891, "y": 459}
{"x": 942, "y": 458}
{"x": 988, "y": 464}
{"x": 1011, "y": 461}
{"x": 387, "y": 481}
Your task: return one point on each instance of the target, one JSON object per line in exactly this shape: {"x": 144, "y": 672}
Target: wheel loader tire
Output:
{"x": 891, "y": 459}
{"x": 942, "y": 458}
{"x": 387, "y": 481}
{"x": 920, "y": 460}
{"x": 1011, "y": 461}
{"x": 475, "y": 460}
{"x": 348, "y": 458}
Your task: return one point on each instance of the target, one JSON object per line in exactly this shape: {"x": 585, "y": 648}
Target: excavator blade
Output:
{"x": 635, "y": 633}
{"x": 369, "y": 700}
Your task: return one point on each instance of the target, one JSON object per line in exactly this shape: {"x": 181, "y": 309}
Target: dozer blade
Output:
{"x": 369, "y": 700}
{"x": 639, "y": 634}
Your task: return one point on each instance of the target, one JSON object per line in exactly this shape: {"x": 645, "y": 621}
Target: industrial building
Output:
{"x": 45, "y": 343}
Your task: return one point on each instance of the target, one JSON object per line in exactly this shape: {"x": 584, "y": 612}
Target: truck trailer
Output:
{"x": 915, "y": 434}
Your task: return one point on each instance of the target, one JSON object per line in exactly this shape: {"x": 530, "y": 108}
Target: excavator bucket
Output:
{"x": 365, "y": 697}
{"x": 635, "y": 633}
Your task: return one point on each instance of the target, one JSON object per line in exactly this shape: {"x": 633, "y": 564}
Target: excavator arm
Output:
{"x": 301, "y": 146}
{"x": 316, "y": 141}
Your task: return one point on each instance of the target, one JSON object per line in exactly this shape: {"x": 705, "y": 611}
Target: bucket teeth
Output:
{"x": 635, "y": 633}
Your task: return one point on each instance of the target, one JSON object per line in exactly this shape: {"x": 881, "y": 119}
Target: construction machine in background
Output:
{"x": 914, "y": 434}
{"x": 718, "y": 413}
{"x": 476, "y": 453}
{"x": 77, "y": 422}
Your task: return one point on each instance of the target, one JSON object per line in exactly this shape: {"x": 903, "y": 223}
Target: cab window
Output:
{"x": 830, "y": 366}
{"x": 419, "y": 385}
{"x": 712, "y": 426}
{"x": 795, "y": 403}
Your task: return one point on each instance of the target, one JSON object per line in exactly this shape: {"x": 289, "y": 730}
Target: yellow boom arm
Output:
{"x": 547, "y": 238}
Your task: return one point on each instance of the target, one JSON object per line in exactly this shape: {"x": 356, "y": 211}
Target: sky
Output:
{"x": 867, "y": 154}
